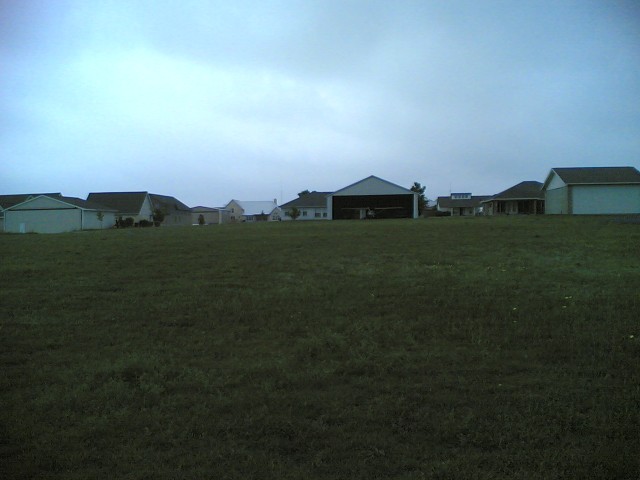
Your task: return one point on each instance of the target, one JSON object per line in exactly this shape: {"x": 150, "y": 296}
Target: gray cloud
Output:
{"x": 213, "y": 100}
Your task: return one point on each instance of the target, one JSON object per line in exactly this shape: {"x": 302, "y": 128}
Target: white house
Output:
{"x": 43, "y": 214}
{"x": 592, "y": 191}
{"x": 312, "y": 206}
{"x": 253, "y": 211}
{"x": 372, "y": 197}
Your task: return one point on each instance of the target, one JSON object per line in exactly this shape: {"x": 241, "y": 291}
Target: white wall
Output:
{"x": 43, "y": 221}
{"x": 311, "y": 213}
{"x": 606, "y": 199}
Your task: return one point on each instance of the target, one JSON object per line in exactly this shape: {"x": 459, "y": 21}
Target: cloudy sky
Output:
{"x": 260, "y": 99}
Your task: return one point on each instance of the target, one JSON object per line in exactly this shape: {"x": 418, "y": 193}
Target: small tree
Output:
{"x": 158, "y": 217}
{"x": 201, "y": 219}
{"x": 422, "y": 200}
{"x": 100, "y": 217}
{"x": 304, "y": 192}
{"x": 294, "y": 213}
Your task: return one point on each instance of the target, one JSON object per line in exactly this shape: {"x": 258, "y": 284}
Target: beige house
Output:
{"x": 253, "y": 211}
{"x": 57, "y": 214}
{"x": 176, "y": 213}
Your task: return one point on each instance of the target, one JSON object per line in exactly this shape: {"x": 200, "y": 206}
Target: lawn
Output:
{"x": 445, "y": 348}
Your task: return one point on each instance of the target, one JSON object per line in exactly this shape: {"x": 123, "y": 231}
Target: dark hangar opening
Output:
{"x": 384, "y": 206}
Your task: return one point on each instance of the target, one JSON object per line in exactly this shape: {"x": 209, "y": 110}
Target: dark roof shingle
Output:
{"x": 310, "y": 200}
{"x": 123, "y": 202}
{"x": 595, "y": 175}
{"x": 526, "y": 190}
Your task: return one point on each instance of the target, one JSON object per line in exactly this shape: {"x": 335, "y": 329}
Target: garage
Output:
{"x": 371, "y": 199}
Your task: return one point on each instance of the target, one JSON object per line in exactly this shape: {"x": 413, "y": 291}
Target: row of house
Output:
{"x": 592, "y": 190}
{"x": 572, "y": 191}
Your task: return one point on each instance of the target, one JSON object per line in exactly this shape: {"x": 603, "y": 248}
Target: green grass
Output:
{"x": 442, "y": 348}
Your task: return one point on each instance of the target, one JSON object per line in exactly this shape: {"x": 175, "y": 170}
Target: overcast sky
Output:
{"x": 213, "y": 100}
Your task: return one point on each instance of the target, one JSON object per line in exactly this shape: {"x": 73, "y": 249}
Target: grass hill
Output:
{"x": 442, "y": 348}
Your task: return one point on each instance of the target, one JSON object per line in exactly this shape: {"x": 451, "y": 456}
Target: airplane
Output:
{"x": 369, "y": 212}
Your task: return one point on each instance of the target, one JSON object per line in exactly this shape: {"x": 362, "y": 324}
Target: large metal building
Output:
{"x": 372, "y": 198}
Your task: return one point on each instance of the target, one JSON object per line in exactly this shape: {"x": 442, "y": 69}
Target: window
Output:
{"x": 287, "y": 213}
{"x": 317, "y": 215}
{"x": 304, "y": 213}
{"x": 460, "y": 196}
{"x": 324, "y": 214}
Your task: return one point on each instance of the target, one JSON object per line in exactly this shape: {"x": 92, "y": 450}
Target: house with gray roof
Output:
{"x": 592, "y": 191}
{"x": 312, "y": 206}
{"x": 136, "y": 205}
{"x": 461, "y": 204}
{"x": 524, "y": 198}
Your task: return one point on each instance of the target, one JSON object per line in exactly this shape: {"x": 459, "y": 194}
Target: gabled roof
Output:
{"x": 384, "y": 187}
{"x": 202, "y": 209}
{"x": 73, "y": 201}
{"x": 251, "y": 207}
{"x": 474, "y": 201}
{"x": 7, "y": 201}
{"x": 122, "y": 202}
{"x": 595, "y": 175}
{"x": 310, "y": 200}
{"x": 527, "y": 190}
{"x": 167, "y": 204}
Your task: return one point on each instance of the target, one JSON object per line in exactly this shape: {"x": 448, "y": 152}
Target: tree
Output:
{"x": 100, "y": 217}
{"x": 294, "y": 213}
{"x": 422, "y": 200}
{"x": 158, "y": 217}
{"x": 304, "y": 192}
{"x": 201, "y": 219}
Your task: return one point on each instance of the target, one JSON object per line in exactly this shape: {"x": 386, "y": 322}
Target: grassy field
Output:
{"x": 443, "y": 348}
